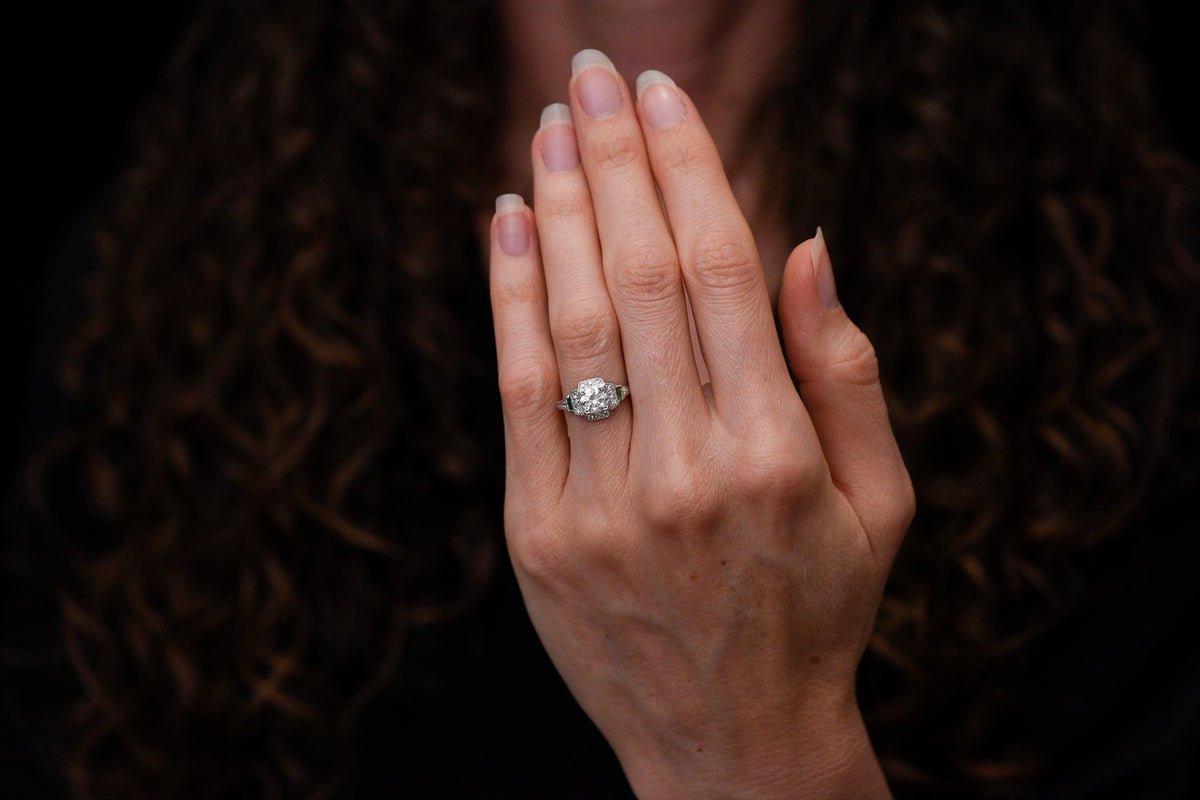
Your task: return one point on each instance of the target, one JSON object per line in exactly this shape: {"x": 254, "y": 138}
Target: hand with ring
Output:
{"x": 704, "y": 561}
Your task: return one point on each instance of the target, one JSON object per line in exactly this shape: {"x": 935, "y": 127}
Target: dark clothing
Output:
{"x": 1112, "y": 695}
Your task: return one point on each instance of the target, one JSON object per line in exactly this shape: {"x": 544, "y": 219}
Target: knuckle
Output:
{"x": 615, "y": 151}
{"x": 721, "y": 260}
{"x": 681, "y": 157}
{"x": 855, "y": 361}
{"x": 585, "y": 330}
{"x": 516, "y": 292}
{"x": 528, "y": 384}
{"x": 778, "y": 467}
{"x": 678, "y": 500}
{"x": 565, "y": 206}
{"x": 539, "y": 555}
{"x": 645, "y": 272}
{"x": 604, "y": 549}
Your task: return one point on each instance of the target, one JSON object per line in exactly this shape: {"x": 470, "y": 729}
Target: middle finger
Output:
{"x": 641, "y": 266}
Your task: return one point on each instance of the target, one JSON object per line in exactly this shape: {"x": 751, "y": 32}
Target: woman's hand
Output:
{"x": 703, "y": 566}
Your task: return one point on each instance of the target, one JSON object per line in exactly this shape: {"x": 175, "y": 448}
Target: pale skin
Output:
{"x": 724, "y": 52}
{"x": 705, "y": 565}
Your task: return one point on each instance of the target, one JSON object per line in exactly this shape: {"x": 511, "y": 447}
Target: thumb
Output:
{"x": 834, "y": 365}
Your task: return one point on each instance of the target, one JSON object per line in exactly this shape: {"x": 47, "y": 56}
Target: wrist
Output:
{"x": 824, "y": 752}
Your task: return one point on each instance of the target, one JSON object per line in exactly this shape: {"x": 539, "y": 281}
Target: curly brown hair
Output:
{"x": 272, "y": 373}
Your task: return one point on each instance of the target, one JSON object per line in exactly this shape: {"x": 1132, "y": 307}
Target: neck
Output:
{"x": 724, "y": 53}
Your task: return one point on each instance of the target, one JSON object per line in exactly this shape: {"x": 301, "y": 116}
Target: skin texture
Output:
{"x": 705, "y": 565}
{"x": 726, "y": 52}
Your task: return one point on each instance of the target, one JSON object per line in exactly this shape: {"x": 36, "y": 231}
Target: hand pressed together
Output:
{"x": 703, "y": 566}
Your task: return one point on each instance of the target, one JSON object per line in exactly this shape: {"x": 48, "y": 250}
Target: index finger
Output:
{"x": 721, "y": 270}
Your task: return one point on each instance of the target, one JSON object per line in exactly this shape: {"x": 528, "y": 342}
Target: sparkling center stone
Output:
{"x": 595, "y": 397}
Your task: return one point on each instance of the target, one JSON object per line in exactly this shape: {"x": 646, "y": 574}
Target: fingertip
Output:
{"x": 808, "y": 323}
{"x": 801, "y": 254}
{"x": 556, "y": 113}
{"x": 823, "y": 272}
{"x": 797, "y": 275}
{"x": 508, "y": 203}
{"x": 808, "y": 277}
{"x": 512, "y": 227}
{"x": 554, "y": 145}
{"x": 590, "y": 57}
{"x": 651, "y": 76}
{"x": 600, "y": 93}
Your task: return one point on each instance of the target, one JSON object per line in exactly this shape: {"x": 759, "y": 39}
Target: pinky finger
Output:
{"x": 535, "y": 434}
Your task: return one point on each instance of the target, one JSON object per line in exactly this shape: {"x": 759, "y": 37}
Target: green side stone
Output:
{"x": 570, "y": 405}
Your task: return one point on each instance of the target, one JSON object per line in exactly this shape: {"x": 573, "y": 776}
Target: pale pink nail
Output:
{"x": 661, "y": 104}
{"x": 823, "y": 272}
{"x": 596, "y": 82}
{"x": 560, "y": 152}
{"x": 512, "y": 230}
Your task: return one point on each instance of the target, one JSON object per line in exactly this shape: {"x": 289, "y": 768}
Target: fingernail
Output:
{"x": 823, "y": 273}
{"x": 511, "y": 228}
{"x": 599, "y": 93}
{"x": 661, "y": 104}
{"x": 560, "y": 152}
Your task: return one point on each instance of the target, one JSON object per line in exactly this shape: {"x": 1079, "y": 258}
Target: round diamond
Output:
{"x": 594, "y": 398}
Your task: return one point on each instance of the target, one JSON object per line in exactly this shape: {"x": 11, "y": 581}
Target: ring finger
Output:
{"x": 587, "y": 339}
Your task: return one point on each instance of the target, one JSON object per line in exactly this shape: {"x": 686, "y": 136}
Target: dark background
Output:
{"x": 86, "y": 69}
{"x": 79, "y": 74}
{"x": 76, "y": 73}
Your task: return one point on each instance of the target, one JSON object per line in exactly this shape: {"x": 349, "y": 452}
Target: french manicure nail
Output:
{"x": 661, "y": 104}
{"x": 599, "y": 94}
{"x": 560, "y": 152}
{"x": 823, "y": 272}
{"x": 511, "y": 228}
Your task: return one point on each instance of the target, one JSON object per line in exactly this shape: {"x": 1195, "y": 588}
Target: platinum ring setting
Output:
{"x": 594, "y": 398}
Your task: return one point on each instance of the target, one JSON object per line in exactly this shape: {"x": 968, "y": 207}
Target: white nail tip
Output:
{"x": 652, "y": 76}
{"x": 590, "y": 58}
{"x": 508, "y": 203}
{"x": 556, "y": 112}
